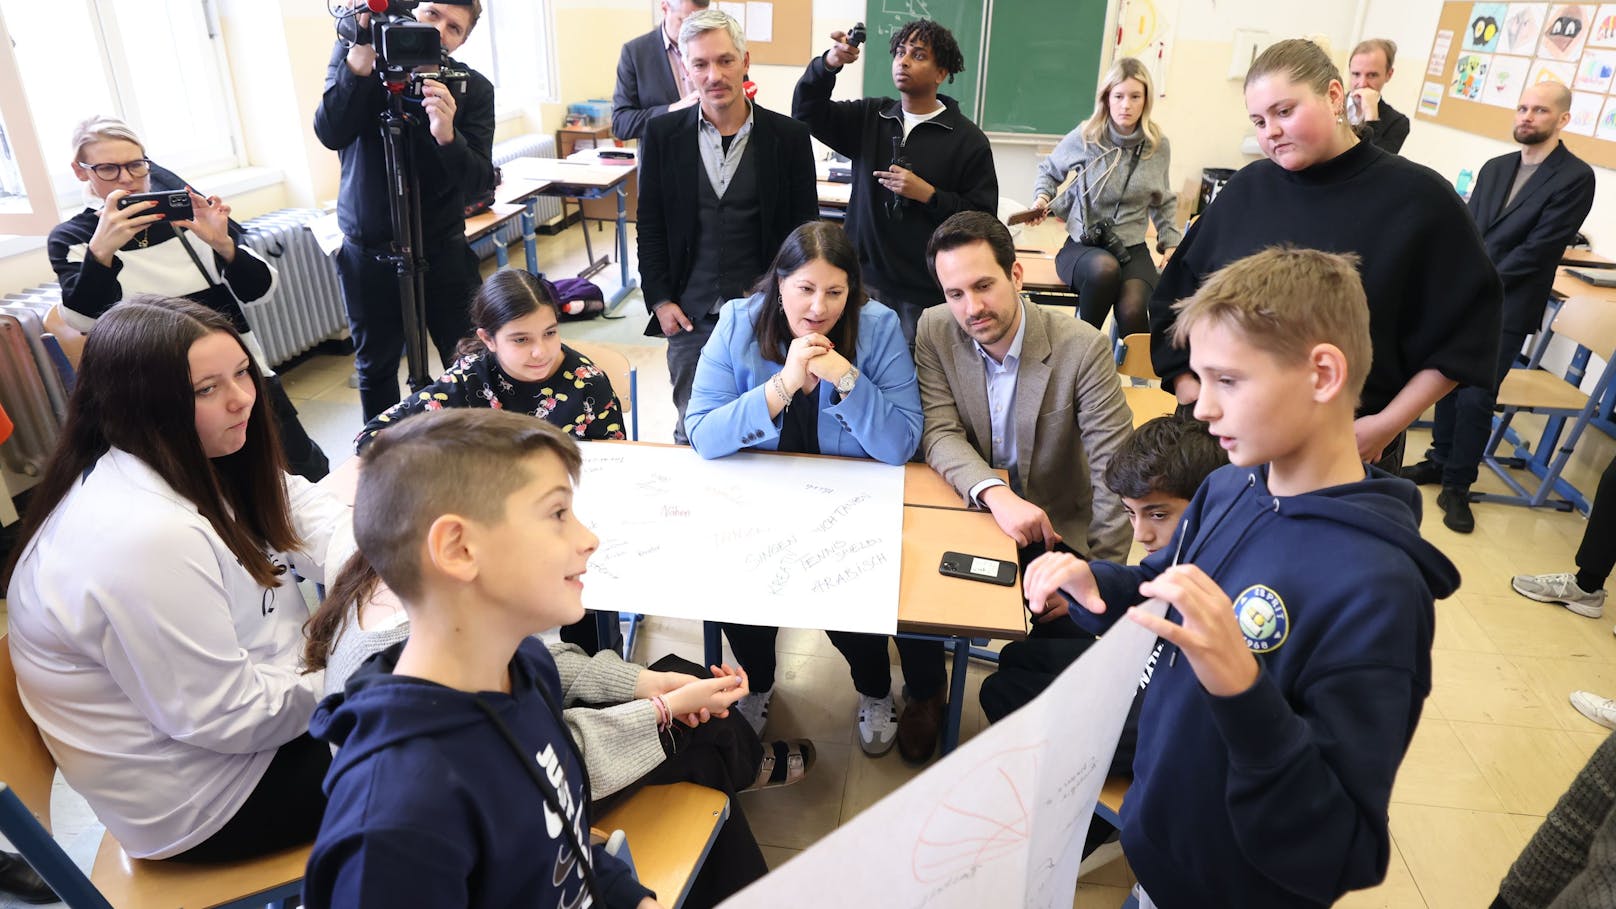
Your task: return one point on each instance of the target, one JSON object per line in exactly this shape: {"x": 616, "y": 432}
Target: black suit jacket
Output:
{"x": 1526, "y": 239}
{"x": 645, "y": 85}
{"x": 670, "y": 165}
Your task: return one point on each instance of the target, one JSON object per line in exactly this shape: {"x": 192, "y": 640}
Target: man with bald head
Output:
{"x": 1528, "y": 205}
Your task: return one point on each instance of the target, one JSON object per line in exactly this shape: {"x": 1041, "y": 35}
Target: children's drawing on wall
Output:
{"x": 1145, "y": 32}
{"x": 1505, "y": 79}
{"x": 1584, "y": 113}
{"x": 1553, "y": 71}
{"x": 1607, "y": 121}
{"x": 1602, "y": 30}
{"x": 1522, "y": 26}
{"x": 1595, "y": 71}
{"x": 1469, "y": 75}
{"x": 1486, "y": 21}
{"x": 1566, "y": 31}
{"x": 1430, "y": 98}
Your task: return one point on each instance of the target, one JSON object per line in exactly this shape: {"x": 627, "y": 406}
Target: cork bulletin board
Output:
{"x": 777, "y": 31}
{"x": 1484, "y": 54}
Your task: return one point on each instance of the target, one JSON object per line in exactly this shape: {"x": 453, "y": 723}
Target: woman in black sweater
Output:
{"x": 1434, "y": 298}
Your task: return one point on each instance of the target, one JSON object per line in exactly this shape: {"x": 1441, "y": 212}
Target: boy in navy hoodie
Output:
{"x": 1298, "y": 642}
{"x": 456, "y": 783}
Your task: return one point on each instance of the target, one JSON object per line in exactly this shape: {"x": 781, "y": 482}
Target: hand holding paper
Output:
{"x": 1210, "y": 636}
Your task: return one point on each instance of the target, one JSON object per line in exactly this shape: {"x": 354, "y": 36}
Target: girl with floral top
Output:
{"x": 516, "y": 361}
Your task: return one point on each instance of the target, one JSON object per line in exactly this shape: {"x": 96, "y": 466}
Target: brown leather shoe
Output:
{"x": 918, "y": 727}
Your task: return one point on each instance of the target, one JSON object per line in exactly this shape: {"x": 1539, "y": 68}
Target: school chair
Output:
{"x": 1590, "y": 323}
{"x": 27, "y": 770}
{"x": 1145, "y": 400}
{"x": 71, "y": 339}
{"x": 623, "y": 376}
{"x": 668, "y": 831}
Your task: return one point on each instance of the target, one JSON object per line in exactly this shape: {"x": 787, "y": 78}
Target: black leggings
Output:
{"x": 1598, "y": 551}
{"x": 284, "y": 809}
{"x": 1102, "y": 284}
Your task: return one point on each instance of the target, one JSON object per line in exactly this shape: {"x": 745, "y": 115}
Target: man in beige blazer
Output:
{"x": 1005, "y": 384}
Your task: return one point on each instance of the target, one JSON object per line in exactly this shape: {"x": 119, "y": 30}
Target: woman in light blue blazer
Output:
{"x": 809, "y": 364}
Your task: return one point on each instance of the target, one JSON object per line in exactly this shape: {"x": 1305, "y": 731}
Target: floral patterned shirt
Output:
{"x": 578, "y": 398}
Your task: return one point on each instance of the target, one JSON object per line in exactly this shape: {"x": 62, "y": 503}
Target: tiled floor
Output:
{"x": 1497, "y": 745}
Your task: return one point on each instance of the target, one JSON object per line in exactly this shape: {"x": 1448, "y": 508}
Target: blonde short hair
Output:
{"x": 102, "y": 128}
{"x": 1285, "y": 301}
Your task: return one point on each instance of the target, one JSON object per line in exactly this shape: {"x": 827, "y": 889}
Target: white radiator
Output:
{"x": 31, "y": 392}
{"x": 306, "y": 306}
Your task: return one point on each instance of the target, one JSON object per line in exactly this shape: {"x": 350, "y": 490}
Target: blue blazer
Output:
{"x": 728, "y": 409}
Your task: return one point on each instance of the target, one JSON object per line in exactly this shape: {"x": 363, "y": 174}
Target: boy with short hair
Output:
{"x": 457, "y": 783}
{"x": 1298, "y": 640}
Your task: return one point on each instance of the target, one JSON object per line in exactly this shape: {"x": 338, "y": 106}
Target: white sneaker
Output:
{"x": 877, "y": 724}
{"x": 1600, "y": 710}
{"x": 1562, "y": 589}
{"x": 754, "y": 707}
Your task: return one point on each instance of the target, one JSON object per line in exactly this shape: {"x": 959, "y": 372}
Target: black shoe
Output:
{"x": 18, "y": 879}
{"x": 1425, "y": 473}
{"x": 1455, "y": 504}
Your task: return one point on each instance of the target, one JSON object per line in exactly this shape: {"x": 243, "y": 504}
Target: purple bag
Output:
{"x": 580, "y": 298}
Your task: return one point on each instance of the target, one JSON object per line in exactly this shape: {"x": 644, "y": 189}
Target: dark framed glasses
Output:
{"x": 137, "y": 168}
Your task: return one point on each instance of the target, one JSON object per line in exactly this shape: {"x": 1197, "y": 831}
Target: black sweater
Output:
{"x": 1434, "y": 298}
{"x": 346, "y": 122}
{"x": 948, "y": 151}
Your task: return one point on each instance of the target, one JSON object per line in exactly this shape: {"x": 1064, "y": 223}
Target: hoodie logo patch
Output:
{"x": 1262, "y": 617}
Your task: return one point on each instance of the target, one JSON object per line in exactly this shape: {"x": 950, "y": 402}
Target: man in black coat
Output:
{"x": 1370, "y": 68}
{"x": 721, "y": 187}
{"x": 1528, "y": 205}
{"x": 651, "y": 75}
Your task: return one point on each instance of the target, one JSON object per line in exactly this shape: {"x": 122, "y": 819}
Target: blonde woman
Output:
{"x": 1120, "y": 158}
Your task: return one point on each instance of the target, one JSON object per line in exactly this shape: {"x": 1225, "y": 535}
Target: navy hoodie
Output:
{"x": 1278, "y": 796}
{"x": 430, "y": 805}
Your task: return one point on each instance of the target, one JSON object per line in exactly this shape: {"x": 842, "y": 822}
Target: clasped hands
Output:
{"x": 694, "y": 701}
{"x": 810, "y": 358}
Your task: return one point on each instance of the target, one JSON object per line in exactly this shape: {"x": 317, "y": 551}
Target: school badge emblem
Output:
{"x": 1262, "y": 617}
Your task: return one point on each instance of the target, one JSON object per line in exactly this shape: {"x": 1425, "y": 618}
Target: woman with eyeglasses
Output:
{"x": 105, "y": 253}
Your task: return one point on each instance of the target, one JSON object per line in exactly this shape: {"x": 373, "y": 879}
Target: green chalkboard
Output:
{"x": 1035, "y": 76}
{"x": 962, "y": 17}
{"x": 1043, "y": 59}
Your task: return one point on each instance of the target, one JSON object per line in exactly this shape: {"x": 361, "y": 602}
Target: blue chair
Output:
{"x": 27, "y": 771}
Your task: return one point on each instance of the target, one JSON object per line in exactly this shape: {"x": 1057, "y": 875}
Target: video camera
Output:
{"x": 402, "y": 44}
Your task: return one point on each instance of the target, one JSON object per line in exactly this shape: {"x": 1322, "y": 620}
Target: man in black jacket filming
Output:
{"x": 453, "y": 140}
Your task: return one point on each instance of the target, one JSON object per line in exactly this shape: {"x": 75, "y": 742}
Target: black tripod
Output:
{"x": 404, "y": 198}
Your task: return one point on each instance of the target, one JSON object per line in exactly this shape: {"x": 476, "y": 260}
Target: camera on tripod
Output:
{"x": 403, "y": 45}
{"x": 1102, "y": 234}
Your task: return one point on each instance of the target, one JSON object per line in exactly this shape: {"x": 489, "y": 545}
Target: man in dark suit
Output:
{"x": 1370, "y": 68}
{"x": 721, "y": 187}
{"x": 651, "y": 75}
{"x": 1528, "y": 206}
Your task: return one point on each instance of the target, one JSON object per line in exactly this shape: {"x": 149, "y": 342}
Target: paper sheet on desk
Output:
{"x": 999, "y": 822}
{"x": 751, "y": 538}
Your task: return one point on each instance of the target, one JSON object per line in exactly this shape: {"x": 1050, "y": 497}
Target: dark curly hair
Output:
{"x": 944, "y": 49}
{"x": 1170, "y": 454}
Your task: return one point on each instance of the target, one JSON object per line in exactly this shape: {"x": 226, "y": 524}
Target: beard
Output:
{"x": 1526, "y": 135}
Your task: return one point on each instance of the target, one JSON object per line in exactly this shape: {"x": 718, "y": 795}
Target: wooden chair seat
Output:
{"x": 126, "y": 881}
{"x": 1534, "y": 388}
{"x": 669, "y": 829}
{"x": 1148, "y": 403}
{"x": 1111, "y": 796}
{"x": 621, "y": 373}
{"x": 1136, "y": 357}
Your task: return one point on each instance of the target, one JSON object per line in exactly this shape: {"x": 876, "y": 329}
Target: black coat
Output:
{"x": 1525, "y": 240}
{"x": 670, "y": 165}
{"x": 645, "y": 85}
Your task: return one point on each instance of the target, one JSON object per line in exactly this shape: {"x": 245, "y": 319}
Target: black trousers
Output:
{"x": 585, "y": 634}
{"x": 1464, "y": 419}
{"x": 376, "y": 316}
{"x": 303, "y": 455}
{"x": 284, "y": 809}
{"x": 722, "y": 754}
{"x": 924, "y": 665}
{"x": 1597, "y": 554}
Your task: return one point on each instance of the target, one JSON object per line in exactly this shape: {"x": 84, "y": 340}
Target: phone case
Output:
{"x": 977, "y": 568}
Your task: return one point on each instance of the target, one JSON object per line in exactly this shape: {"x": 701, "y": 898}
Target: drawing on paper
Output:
{"x": 987, "y": 817}
{"x": 1584, "y": 113}
{"x": 1469, "y": 75}
{"x": 1602, "y": 30}
{"x": 1144, "y": 32}
{"x": 1565, "y": 32}
{"x": 1486, "y": 21}
{"x": 1523, "y": 25}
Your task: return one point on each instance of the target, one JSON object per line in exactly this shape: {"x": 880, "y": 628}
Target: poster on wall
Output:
{"x": 1486, "y": 20}
{"x": 1602, "y": 31}
{"x": 1145, "y": 32}
{"x": 1431, "y": 98}
{"x": 1566, "y": 31}
{"x": 1595, "y": 71}
{"x": 1607, "y": 121}
{"x": 1552, "y": 71}
{"x": 1584, "y": 113}
{"x": 1522, "y": 27}
{"x": 1505, "y": 79}
{"x": 1469, "y": 75}
{"x": 1439, "y": 53}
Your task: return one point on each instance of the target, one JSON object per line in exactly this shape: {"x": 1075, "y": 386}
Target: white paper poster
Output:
{"x": 1469, "y": 76}
{"x": 1439, "y": 53}
{"x": 1430, "y": 98}
{"x": 1606, "y": 128}
{"x": 1602, "y": 31}
{"x": 1523, "y": 24}
{"x": 759, "y": 21}
{"x": 1566, "y": 31}
{"x": 1552, "y": 71}
{"x": 1584, "y": 113}
{"x": 999, "y": 822}
{"x": 752, "y": 538}
{"x": 1595, "y": 70}
{"x": 1505, "y": 79}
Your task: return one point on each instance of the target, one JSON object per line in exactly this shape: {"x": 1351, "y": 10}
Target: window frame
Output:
{"x": 510, "y": 100}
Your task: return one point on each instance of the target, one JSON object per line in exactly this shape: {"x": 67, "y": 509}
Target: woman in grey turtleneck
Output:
{"x": 1121, "y": 157}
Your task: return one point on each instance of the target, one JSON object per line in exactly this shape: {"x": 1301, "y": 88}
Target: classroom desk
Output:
{"x": 1569, "y": 285}
{"x": 833, "y": 199}
{"x": 584, "y": 180}
{"x": 489, "y": 222}
{"x": 514, "y": 190}
{"x": 1585, "y": 258}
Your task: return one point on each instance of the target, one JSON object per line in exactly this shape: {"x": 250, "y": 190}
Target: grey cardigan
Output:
{"x": 1149, "y": 193}
{"x": 620, "y": 743}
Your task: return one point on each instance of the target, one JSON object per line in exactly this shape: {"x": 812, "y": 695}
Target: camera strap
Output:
{"x": 1088, "y": 202}
{"x": 180, "y": 234}
{"x": 1133, "y": 165}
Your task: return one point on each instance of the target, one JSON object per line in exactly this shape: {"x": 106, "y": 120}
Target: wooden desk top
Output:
{"x": 571, "y": 173}
{"x": 834, "y": 195}
{"x": 1583, "y": 257}
{"x": 930, "y": 603}
{"x": 515, "y": 190}
{"x": 1569, "y": 285}
{"x": 479, "y": 226}
{"x": 1038, "y": 271}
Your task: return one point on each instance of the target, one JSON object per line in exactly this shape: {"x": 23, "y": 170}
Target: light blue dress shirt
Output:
{"x": 1001, "y": 387}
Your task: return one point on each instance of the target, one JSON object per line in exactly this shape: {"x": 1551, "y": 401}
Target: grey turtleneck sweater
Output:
{"x": 1148, "y": 192}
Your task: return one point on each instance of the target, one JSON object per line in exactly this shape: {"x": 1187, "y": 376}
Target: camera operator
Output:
{"x": 105, "y": 253}
{"x": 453, "y": 153}
{"x": 1121, "y": 157}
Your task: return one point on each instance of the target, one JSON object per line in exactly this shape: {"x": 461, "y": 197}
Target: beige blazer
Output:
{"x": 1070, "y": 418}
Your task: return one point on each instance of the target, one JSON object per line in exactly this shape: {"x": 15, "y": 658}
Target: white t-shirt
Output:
{"x": 910, "y": 121}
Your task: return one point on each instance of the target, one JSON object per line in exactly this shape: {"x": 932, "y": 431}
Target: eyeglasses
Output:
{"x": 137, "y": 168}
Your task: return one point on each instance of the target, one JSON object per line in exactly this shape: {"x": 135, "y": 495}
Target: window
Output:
{"x": 514, "y": 46}
{"x": 159, "y": 64}
{"x": 27, "y": 205}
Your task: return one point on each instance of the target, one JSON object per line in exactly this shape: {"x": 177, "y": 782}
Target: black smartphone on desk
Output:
{"x": 173, "y": 204}
{"x": 977, "y": 568}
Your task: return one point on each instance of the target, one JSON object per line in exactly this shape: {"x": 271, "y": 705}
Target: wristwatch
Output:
{"x": 844, "y": 385}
